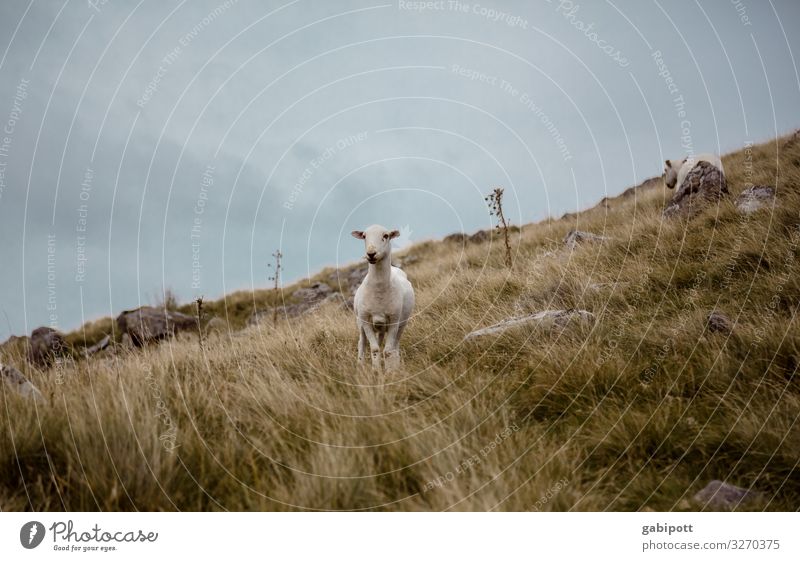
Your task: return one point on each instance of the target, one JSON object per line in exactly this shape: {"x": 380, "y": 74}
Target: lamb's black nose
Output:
{"x": 371, "y": 254}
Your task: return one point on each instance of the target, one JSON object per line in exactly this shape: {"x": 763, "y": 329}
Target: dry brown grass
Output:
{"x": 638, "y": 411}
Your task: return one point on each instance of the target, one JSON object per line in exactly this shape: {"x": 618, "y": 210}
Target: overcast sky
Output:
{"x": 166, "y": 144}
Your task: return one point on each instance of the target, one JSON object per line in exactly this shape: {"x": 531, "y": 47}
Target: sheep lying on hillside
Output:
{"x": 384, "y": 300}
{"x": 675, "y": 171}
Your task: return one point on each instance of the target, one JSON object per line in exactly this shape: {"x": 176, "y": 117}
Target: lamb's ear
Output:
{"x": 394, "y": 234}
{"x": 668, "y": 163}
{"x": 358, "y": 234}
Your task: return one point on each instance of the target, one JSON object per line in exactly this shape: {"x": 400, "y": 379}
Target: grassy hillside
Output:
{"x": 638, "y": 411}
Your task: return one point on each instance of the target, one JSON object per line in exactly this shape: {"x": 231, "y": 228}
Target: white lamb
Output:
{"x": 675, "y": 171}
{"x": 384, "y": 301}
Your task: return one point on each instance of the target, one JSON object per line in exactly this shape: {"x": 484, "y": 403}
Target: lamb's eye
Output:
{"x": 386, "y": 236}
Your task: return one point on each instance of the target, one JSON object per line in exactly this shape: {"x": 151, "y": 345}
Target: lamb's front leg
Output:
{"x": 391, "y": 354}
{"x": 374, "y": 347}
{"x": 362, "y": 342}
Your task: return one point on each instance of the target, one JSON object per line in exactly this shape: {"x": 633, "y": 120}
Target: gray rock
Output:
{"x": 15, "y": 380}
{"x": 755, "y": 198}
{"x": 148, "y": 324}
{"x": 577, "y": 237}
{"x": 45, "y": 345}
{"x": 719, "y": 322}
{"x": 97, "y": 347}
{"x": 724, "y": 496}
{"x": 705, "y": 183}
{"x": 554, "y": 320}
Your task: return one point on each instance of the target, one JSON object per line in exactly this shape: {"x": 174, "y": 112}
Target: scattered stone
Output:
{"x": 576, "y": 237}
{"x": 705, "y": 183}
{"x": 310, "y": 299}
{"x": 15, "y": 380}
{"x": 349, "y": 279}
{"x": 317, "y": 291}
{"x": 148, "y": 324}
{"x": 45, "y": 345}
{"x": 724, "y": 496}
{"x": 458, "y": 237}
{"x": 719, "y": 322}
{"x": 755, "y": 198}
{"x": 480, "y": 236}
{"x": 555, "y": 320}
{"x": 97, "y": 347}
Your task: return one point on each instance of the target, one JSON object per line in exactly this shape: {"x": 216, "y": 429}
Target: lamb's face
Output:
{"x": 377, "y": 241}
{"x": 671, "y": 173}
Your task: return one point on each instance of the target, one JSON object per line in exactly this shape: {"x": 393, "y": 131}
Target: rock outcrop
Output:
{"x": 704, "y": 184}
{"x": 309, "y": 300}
{"x": 755, "y": 198}
{"x": 553, "y": 320}
{"x": 148, "y": 324}
{"x": 45, "y": 345}
{"x": 348, "y": 279}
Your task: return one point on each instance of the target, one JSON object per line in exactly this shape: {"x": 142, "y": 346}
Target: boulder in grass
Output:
{"x": 45, "y": 346}
{"x": 553, "y": 320}
{"x": 705, "y": 183}
{"x": 15, "y": 380}
{"x": 755, "y": 198}
{"x": 148, "y": 324}
{"x": 719, "y": 322}
{"x": 719, "y": 495}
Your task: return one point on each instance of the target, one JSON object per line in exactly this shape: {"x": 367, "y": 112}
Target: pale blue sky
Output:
{"x": 294, "y": 123}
